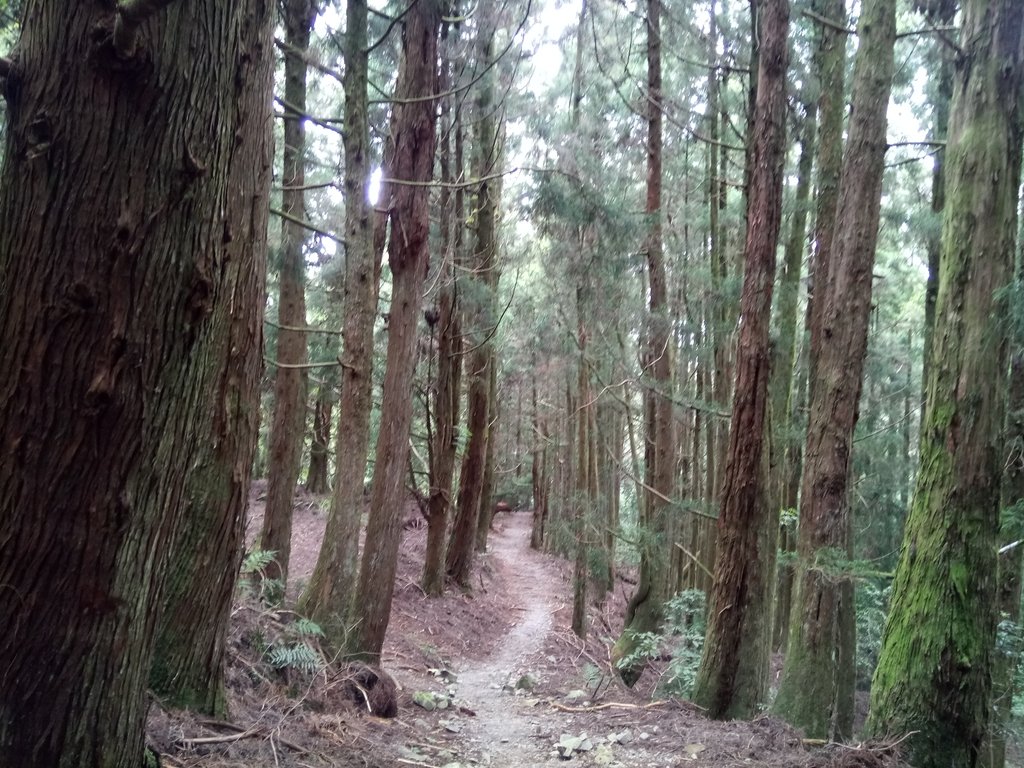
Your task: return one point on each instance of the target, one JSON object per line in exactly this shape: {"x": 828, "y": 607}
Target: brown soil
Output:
{"x": 471, "y": 651}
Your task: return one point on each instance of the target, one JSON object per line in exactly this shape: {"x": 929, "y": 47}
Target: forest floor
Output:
{"x": 509, "y": 684}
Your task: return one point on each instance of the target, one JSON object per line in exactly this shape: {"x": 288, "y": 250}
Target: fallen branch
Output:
{"x": 240, "y": 733}
{"x": 610, "y": 705}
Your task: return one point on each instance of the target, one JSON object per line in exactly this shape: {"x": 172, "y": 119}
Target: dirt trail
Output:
{"x": 505, "y": 728}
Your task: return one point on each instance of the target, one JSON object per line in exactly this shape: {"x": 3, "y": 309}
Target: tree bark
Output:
{"x": 732, "y": 679}
{"x": 1011, "y": 559}
{"x": 934, "y": 672}
{"x": 816, "y": 692}
{"x": 645, "y": 610}
{"x": 328, "y": 596}
{"x": 830, "y": 69}
{"x": 479, "y": 316}
{"x": 144, "y": 183}
{"x": 409, "y": 213}
{"x": 785, "y": 444}
{"x": 448, "y": 389}
{"x": 289, "y": 420}
{"x": 191, "y": 636}
{"x": 317, "y": 476}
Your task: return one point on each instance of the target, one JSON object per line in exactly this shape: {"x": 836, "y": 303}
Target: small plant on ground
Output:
{"x": 297, "y": 648}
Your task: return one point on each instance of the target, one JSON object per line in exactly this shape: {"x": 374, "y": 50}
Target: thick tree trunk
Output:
{"x": 816, "y": 692}
{"x": 328, "y": 596}
{"x": 1011, "y": 558}
{"x": 934, "y": 674}
{"x": 191, "y": 636}
{"x": 317, "y": 481}
{"x": 289, "y": 419}
{"x": 134, "y": 196}
{"x": 732, "y": 679}
{"x": 409, "y": 212}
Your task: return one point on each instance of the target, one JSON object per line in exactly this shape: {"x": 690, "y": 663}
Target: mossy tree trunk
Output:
{"x": 289, "y": 419}
{"x": 414, "y": 140}
{"x": 816, "y": 692}
{"x": 732, "y": 679}
{"x": 328, "y": 596}
{"x": 933, "y": 679}
{"x": 134, "y": 196}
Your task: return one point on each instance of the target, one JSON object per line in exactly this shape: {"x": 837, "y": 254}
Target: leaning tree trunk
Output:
{"x": 934, "y": 674}
{"x": 328, "y": 596}
{"x": 409, "y": 213}
{"x": 645, "y": 610}
{"x": 732, "y": 680}
{"x": 816, "y": 692}
{"x": 289, "y": 420}
{"x": 133, "y": 197}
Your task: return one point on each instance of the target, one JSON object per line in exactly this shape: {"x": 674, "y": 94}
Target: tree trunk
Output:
{"x": 289, "y": 419}
{"x": 785, "y": 444}
{"x": 830, "y": 68}
{"x": 328, "y": 596}
{"x": 191, "y": 636}
{"x": 1011, "y": 558}
{"x": 645, "y": 610}
{"x": 449, "y": 366}
{"x": 144, "y": 179}
{"x": 539, "y": 470}
{"x": 940, "y": 13}
{"x": 409, "y": 213}
{"x": 317, "y": 477}
{"x": 459, "y": 562}
{"x": 816, "y": 692}
{"x": 487, "y": 499}
{"x": 732, "y": 679}
{"x": 934, "y": 672}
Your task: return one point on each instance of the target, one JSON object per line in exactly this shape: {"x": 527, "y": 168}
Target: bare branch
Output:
{"x": 130, "y": 15}
{"x": 824, "y": 20}
{"x": 311, "y": 227}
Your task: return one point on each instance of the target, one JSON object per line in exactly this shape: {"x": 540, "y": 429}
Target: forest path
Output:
{"x": 505, "y": 730}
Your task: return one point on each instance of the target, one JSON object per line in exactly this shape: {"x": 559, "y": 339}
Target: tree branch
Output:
{"x": 130, "y": 15}
{"x": 828, "y": 22}
{"x": 307, "y": 225}
{"x": 5, "y": 66}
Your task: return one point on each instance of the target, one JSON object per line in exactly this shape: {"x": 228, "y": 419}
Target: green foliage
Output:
{"x": 254, "y": 581}
{"x": 297, "y": 648}
{"x": 872, "y": 603}
{"x": 681, "y": 641}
